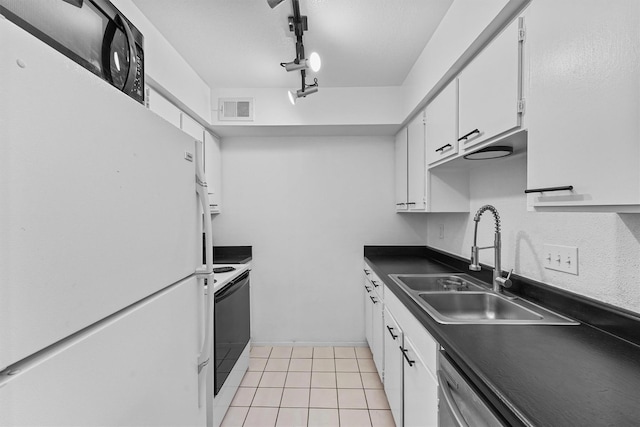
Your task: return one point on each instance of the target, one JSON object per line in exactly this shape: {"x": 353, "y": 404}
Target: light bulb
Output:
{"x": 314, "y": 62}
{"x": 292, "y": 97}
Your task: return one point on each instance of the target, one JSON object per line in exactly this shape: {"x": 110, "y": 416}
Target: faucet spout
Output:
{"x": 498, "y": 281}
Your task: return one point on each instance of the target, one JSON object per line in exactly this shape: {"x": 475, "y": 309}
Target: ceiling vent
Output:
{"x": 235, "y": 109}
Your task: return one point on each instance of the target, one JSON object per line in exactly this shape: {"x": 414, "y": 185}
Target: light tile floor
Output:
{"x": 310, "y": 387}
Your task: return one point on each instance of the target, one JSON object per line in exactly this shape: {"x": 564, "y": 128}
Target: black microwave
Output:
{"x": 93, "y": 33}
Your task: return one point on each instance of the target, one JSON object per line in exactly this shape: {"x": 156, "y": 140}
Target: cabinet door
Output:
{"x": 368, "y": 312}
{"x": 162, "y": 107}
{"x": 377, "y": 336}
{"x": 420, "y": 390}
{"x": 393, "y": 366}
{"x": 489, "y": 90}
{"x": 191, "y": 127}
{"x": 401, "y": 170}
{"x": 584, "y": 64}
{"x": 213, "y": 170}
{"x": 442, "y": 124}
{"x": 416, "y": 164}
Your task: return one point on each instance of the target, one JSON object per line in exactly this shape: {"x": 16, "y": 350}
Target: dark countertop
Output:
{"x": 539, "y": 375}
{"x": 232, "y": 254}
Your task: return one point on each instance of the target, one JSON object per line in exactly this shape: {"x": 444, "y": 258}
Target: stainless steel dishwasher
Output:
{"x": 460, "y": 405}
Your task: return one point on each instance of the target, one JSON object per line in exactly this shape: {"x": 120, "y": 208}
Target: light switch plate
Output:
{"x": 561, "y": 258}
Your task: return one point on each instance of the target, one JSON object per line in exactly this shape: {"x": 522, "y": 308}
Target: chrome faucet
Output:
{"x": 499, "y": 282}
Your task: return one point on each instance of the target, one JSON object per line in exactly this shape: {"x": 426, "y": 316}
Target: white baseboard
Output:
{"x": 310, "y": 344}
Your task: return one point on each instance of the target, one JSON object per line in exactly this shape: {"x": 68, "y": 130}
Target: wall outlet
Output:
{"x": 441, "y": 228}
{"x": 561, "y": 258}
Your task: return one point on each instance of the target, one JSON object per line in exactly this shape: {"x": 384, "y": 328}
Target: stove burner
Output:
{"x": 223, "y": 269}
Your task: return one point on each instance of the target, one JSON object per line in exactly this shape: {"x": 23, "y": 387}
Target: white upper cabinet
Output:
{"x": 401, "y": 170}
{"x": 191, "y": 127}
{"x": 442, "y": 124}
{"x": 584, "y": 107}
{"x": 416, "y": 164}
{"x": 162, "y": 107}
{"x": 411, "y": 167}
{"x": 490, "y": 90}
{"x": 213, "y": 170}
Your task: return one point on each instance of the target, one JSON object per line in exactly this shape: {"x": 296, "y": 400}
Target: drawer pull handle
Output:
{"x": 544, "y": 190}
{"x": 375, "y": 283}
{"x": 443, "y": 147}
{"x": 394, "y": 336}
{"x": 373, "y": 299}
{"x": 400, "y": 204}
{"x": 404, "y": 353}
{"x": 411, "y": 203}
{"x": 366, "y": 271}
{"x": 469, "y": 134}
{"x": 368, "y": 288}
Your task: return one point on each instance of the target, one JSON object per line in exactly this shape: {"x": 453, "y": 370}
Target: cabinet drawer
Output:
{"x": 374, "y": 281}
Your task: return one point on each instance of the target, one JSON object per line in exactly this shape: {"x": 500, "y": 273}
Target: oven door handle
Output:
{"x": 448, "y": 397}
{"x": 231, "y": 289}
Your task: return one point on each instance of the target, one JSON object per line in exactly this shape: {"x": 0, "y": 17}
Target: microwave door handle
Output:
{"x": 133, "y": 58}
{"x": 109, "y": 34}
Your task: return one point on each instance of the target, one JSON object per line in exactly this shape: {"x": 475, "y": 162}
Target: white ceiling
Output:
{"x": 241, "y": 43}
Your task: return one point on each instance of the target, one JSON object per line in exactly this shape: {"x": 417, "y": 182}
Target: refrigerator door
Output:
{"x": 111, "y": 376}
{"x": 98, "y": 207}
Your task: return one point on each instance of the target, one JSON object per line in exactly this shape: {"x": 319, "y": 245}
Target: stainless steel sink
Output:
{"x": 461, "y": 299}
{"x": 481, "y": 306}
{"x": 437, "y": 282}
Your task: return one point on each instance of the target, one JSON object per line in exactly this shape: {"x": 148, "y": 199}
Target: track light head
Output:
{"x": 274, "y": 3}
{"x": 314, "y": 63}
{"x": 293, "y": 96}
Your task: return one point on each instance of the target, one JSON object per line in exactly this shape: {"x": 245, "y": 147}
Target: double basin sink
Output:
{"x": 461, "y": 299}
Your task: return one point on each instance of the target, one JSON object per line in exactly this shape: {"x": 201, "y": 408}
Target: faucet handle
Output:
{"x": 505, "y": 282}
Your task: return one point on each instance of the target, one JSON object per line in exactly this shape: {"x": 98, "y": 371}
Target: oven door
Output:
{"x": 232, "y": 327}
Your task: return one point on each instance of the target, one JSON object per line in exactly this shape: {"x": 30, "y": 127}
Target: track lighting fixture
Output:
{"x": 313, "y": 62}
{"x": 274, "y": 3}
{"x": 301, "y": 93}
{"x": 298, "y": 24}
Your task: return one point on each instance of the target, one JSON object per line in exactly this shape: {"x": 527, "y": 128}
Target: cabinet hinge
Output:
{"x": 521, "y": 34}
{"x": 521, "y": 105}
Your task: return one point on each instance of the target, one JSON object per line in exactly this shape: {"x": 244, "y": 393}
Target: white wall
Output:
{"x": 308, "y": 205}
{"x": 329, "y": 106}
{"x": 608, "y": 244}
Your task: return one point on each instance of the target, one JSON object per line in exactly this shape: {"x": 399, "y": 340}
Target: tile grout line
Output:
{"x": 310, "y": 385}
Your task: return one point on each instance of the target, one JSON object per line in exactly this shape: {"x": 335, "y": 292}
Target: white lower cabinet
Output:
{"x": 420, "y": 390}
{"x": 374, "y": 318}
{"x": 393, "y": 380}
{"x": 377, "y": 343}
{"x": 368, "y": 310}
{"x": 405, "y": 355}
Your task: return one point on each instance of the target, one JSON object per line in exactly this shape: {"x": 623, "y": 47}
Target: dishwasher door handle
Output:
{"x": 448, "y": 397}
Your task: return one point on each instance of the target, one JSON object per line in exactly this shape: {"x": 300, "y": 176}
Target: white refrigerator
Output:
{"x": 104, "y": 318}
